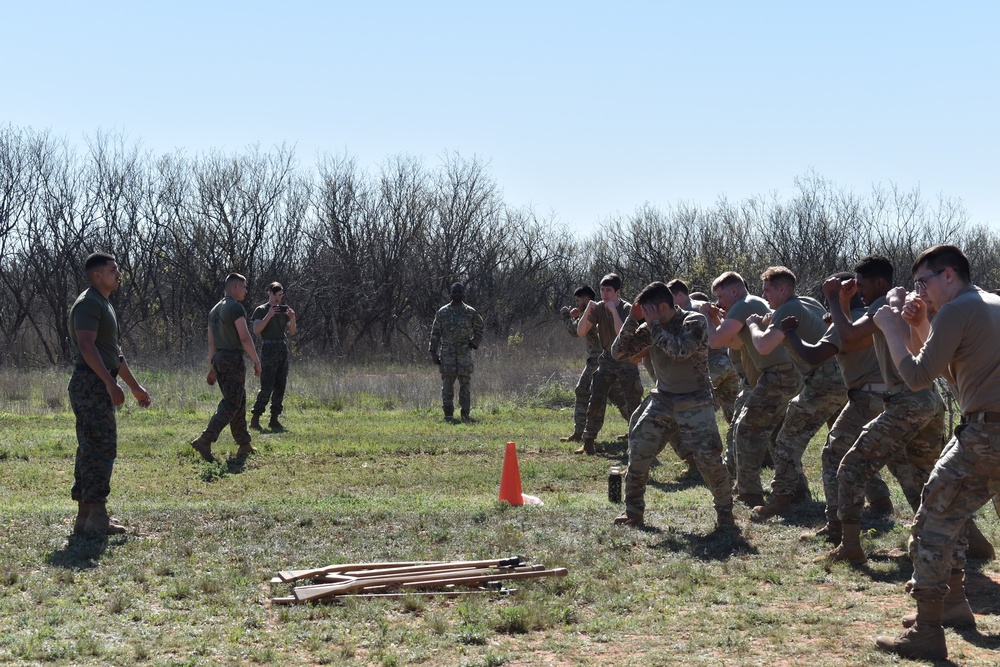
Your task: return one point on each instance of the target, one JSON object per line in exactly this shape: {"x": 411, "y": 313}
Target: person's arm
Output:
{"x": 692, "y": 338}
{"x": 86, "y": 340}
{"x": 210, "y": 378}
{"x": 851, "y": 332}
{"x": 765, "y": 338}
{"x": 814, "y": 355}
{"x": 260, "y": 322}
{"x": 570, "y": 320}
{"x": 613, "y": 308}
{"x": 632, "y": 340}
{"x": 918, "y": 372}
{"x": 435, "y": 340}
{"x": 478, "y": 331}
{"x": 586, "y": 321}
{"x": 291, "y": 321}
{"x": 244, "y": 331}
{"x": 140, "y": 393}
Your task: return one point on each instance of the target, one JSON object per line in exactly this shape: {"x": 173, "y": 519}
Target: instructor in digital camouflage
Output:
{"x": 94, "y": 393}
{"x": 457, "y": 331}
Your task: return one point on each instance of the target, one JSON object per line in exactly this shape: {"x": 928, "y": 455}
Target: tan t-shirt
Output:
{"x": 811, "y": 327}
{"x": 859, "y": 367}
{"x": 964, "y": 347}
{"x": 743, "y": 309}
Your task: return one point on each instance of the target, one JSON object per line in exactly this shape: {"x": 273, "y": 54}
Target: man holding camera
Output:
{"x": 273, "y": 322}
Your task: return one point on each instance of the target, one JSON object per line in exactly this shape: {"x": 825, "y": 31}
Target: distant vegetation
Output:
{"x": 367, "y": 257}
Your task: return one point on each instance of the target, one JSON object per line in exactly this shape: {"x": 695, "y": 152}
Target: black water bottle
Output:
{"x": 615, "y": 485}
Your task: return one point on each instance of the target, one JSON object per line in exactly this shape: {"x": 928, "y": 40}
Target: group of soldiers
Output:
{"x": 866, "y": 363}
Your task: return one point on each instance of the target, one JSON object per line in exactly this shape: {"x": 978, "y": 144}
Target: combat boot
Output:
{"x": 245, "y": 450}
{"x": 881, "y": 507}
{"x": 587, "y": 448}
{"x": 751, "y": 500}
{"x": 956, "y": 612}
{"x": 576, "y": 437}
{"x": 850, "y": 546}
{"x": 627, "y": 518}
{"x": 274, "y": 424}
{"x": 204, "y": 448}
{"x": 778, "y": 505}
{"x": 724, "y": 517}
{"x": 99, "y": 523}
{"x": 979, "y": 547}
{"x": 81, "y": 517}
{"x": 255, "y": 422}
{"x": 449, "y": 414}
{"x": 832, "y": 532}
{"x": 924, "y": 639}
{"x": 465, "y": 416}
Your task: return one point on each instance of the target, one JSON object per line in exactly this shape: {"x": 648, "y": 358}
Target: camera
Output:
{"x": 282, "y": 308}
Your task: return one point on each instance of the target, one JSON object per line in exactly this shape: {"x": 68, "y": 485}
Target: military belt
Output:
{"x": 982, "y": 417}
{"x": 272, "y": 341}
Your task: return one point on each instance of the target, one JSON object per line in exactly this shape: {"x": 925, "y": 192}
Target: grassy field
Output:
{"x": 368, "y": 471}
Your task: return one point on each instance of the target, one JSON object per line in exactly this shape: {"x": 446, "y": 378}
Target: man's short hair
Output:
{"x": 235, "y": 278}
{"x": 97, "y": 260}
{"x": 459, "y": 287}
{"x": 612, "y": 280}
{"x": 728, "y": 279}
{"x": 654, "y": 294}
{"x": 275, "y": 287}
{"x": 940, "y": 257}
{"x": 875, "y": 266}
{"x": 698, "y": 296}
{"x": 677, "y": 285}
{"x": 585, "y": 290}
{"x": 779, "y": 275}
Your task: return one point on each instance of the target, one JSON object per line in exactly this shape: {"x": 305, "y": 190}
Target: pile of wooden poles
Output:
{"x": 395, "y": 579}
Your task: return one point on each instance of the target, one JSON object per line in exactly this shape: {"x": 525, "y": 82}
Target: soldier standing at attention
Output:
{"x": 608, "y": 315}
{"x": 272, "y": 321}
{"x": 94, "y": 393}
{"x": 571, "y": 319}
{"x": 767, "y": 401}
{"x": 228, "y": 338}
{"x": 961, "y": 345}
{"x": 680, "y": 409}
{"x": 457, "y": 331}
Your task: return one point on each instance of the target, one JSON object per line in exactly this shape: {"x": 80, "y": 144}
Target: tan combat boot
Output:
{"x": 956, "y": 612}
{"x": 925, "y": 639}
{"x": 850, "y": 546}
{"x": 576, "y": 437}
{"x": 627, "y": 518}
{"x": 245, "y": 450}
{"x": 204, "y": 448}
{"x": 99, "y": 523}
{"x": 778, "y": 505}
{"x": 587, "y": 448}
{"x": 81, "y": 517}
{"x": 724, "y": 517}
{"x": 832, "y": 532}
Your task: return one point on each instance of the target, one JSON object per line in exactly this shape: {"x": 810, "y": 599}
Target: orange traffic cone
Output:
{"x": 510, "y": 480}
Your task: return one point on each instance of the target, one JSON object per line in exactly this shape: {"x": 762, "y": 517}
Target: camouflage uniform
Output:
{"x": 779, "y": 381}
{"x": 230, "y": 373}
{"x": 823, "y": 395}
{"x": 679, "y": 410}
{"x": 910, "y": 430}
{"x": 456, "y": 332}
{"x": 96, "y": 427}
{"x": 609, "y": 371}
{"x": 724, "y": 373}
{"x": 273, "y": 362}
{"x": 583, "y": 385}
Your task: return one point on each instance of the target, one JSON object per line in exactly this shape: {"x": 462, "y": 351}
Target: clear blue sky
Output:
{"x": 582, "y": 109}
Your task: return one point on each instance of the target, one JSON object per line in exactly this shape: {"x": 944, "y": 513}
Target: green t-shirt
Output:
{"x": 92, "y": 312}
{"x": 222, "y": 323}
{"x": 743, "y": 309}
{"x": 859, "y": 367}
{"x": 275, "y": 329}
{"x": 811, "y": 326}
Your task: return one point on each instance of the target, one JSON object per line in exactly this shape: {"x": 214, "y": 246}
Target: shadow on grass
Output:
{"x": 82, "y": 552}
{"x": 718, "y": 545}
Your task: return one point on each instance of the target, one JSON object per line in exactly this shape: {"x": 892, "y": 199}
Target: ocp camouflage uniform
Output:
{"x": 96, "y": 426}
{"x": 583, "y": 385}
{"x": 823, "y": 395}
{"x": 766, "y": 402}
{"x": 609, "y": 371}
{"x": 455, "y": 333}
{"x": 679, "y": 410}
{"x": 910, "y": 429}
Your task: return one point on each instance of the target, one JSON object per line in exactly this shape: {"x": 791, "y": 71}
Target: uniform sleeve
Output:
{"x": 86, "y": 317}
{"x": 258, "y": 313}
{"x": 939, "y": 349}
{"x": 435, "y": 335}
{"x": 633, "y": 339}
{"x": 692, "y": 337}
{"x": 571, "y": 325}
{"x": 478, "y": 330}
